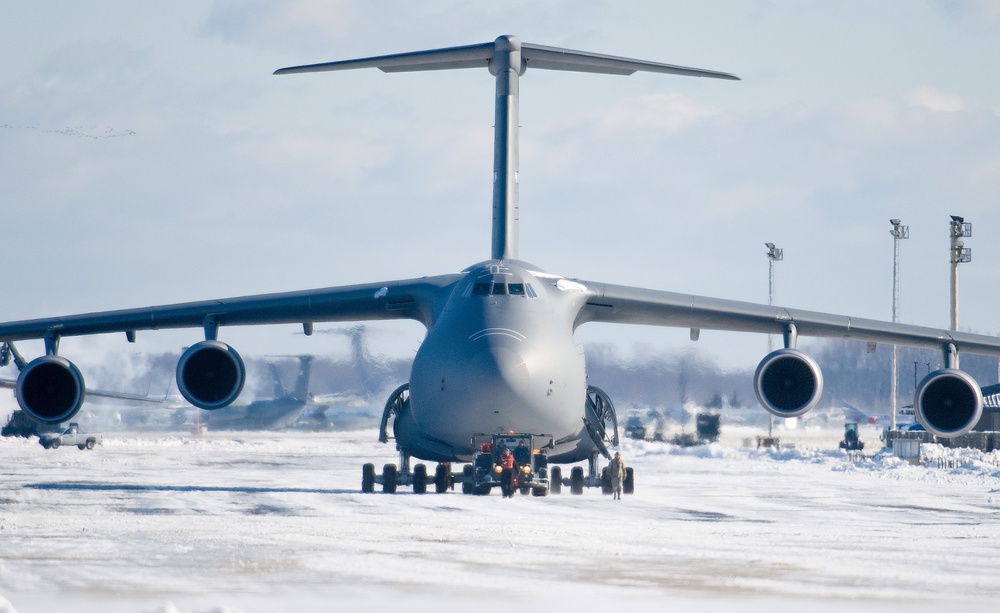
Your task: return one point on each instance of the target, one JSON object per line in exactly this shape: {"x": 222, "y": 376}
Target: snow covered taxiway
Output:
{"x": 260, "y": 522}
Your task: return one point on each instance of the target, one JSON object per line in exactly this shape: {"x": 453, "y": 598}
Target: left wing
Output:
{"x": 407, "y": 299}
{"x": 948, "y": 402}
{"x": 210, "y": 374}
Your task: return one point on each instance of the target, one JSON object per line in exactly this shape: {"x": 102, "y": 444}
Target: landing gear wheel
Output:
{"x": 628, "y": 485}
{"x": 576, "y": 480}
{"x": 442, "y": 478}
{"x": 367, "y": 478}
{"x": 467, "y": 478}
{"x": 555, "y": 480}
{"x": 605, "y": 481}
{"x": 420, "y": 479}
{"x": 389, "y": 479}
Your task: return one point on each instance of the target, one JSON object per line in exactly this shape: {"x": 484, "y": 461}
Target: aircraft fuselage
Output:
{"x": 501, "y": 356}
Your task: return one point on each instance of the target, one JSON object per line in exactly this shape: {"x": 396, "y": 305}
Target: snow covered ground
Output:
{"x": 259, "y": 522}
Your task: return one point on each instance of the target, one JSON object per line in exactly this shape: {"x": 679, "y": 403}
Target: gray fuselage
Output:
{"x": 501, "y": 356}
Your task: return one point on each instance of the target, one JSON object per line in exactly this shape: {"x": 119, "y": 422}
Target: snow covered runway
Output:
{"x": 276, "y": 522}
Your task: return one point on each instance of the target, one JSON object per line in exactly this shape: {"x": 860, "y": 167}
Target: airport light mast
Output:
{"x": 774, "y": 254}
{"x": 960, "y": 254}
{"x": 898, "y": 232}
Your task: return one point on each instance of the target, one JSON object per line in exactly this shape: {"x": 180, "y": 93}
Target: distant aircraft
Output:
{"x": 855, "y": 415}
{"x": 500, "y": 352}
{"x": 280, "y": 411}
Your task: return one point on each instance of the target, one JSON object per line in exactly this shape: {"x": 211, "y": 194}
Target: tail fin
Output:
{"x": 506, "y": 58}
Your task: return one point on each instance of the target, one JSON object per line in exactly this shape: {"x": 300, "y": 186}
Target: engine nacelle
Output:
{"x": 50, "y": 389}
{"x": 788, "y": 383}
{"x": 948, "y": 402}
{"x": 210, "y": 375}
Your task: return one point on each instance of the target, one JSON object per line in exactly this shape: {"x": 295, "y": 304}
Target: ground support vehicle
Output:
{"x": 478, "y": 477}
{"x": 851, "y": 441}
{"x": 70, "y": 436}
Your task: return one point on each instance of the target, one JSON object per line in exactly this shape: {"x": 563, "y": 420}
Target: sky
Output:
{"x": 149, "y": 156}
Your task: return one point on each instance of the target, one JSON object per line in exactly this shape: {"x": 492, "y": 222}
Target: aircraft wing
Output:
{"x": 416, "y": 299}
{"x": 633, "y": 305}
{"x": 12, "y": 384}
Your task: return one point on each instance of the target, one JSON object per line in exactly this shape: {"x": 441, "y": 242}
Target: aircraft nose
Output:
{"x": 501, "y": 370}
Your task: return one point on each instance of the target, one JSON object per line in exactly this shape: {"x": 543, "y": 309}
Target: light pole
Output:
{"x": 960, "y": 254}
{"x": 774, "y": 254}
{"x": 898, "y": 232}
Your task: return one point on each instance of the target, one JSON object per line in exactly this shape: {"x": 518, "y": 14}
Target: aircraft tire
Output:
{"x": 442, "y": 476}
{"x": 389, "y": 473}
{"x": 576, "y": 481}
{"x": 368, "y": 479}
{"x": 467, "y": 478}
{"x": 555, "y": 480}
{"x": 420, "y": 479}
{"x": 628, "y": 486}
{"x": 605, "y": 481}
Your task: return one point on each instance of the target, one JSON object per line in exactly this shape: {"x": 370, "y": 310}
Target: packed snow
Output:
{"x": 255, "y": 522}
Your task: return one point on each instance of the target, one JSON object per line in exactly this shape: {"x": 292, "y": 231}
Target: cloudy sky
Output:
{"x": 148, "y": 156}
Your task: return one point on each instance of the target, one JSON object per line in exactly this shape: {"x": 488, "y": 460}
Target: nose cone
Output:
{"x": 499, "y": 371}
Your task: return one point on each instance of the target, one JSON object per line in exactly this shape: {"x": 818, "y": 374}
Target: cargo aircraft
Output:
{"x": 500, "y": 354}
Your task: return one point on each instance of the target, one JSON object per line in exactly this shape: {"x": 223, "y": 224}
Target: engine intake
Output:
{"x": 210, "y": 375}
{"x": 50, "y": 389}
{"x": 948, "y": 402}
{"x": 788, "y": 383}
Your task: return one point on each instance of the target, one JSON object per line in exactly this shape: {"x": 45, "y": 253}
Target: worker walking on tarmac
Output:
{"x": 616, "y": 471}
{"x": 507, "y": 474}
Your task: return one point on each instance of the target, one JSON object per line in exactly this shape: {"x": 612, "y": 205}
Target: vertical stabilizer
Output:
{"x": 507, "y": 58}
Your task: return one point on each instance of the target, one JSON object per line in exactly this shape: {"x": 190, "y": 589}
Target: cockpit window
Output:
{"x": 481, "y": 289}
{"x": 499, "y": 288}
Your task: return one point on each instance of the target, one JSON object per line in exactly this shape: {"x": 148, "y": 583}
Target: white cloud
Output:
{"x": 938, "y": 102}
{"x": 666, "y": 112}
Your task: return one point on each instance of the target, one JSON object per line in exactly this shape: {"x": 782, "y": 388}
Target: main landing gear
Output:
{"x": 480, "y": 477}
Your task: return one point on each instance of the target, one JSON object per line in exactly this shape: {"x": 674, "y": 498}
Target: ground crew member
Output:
{"x": 616, "y": 471}
{"x": 507, "y": 473}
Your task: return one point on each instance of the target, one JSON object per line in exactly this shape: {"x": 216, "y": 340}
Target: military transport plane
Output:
{"x": 499, "y": 354}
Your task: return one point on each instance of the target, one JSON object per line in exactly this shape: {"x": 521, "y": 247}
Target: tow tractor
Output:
{"x": 531, "y": 465}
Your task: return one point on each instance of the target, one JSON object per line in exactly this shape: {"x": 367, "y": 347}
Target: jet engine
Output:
{"x": 50, "y": 389}
{"x": 788, "y": 382}
{"x": 210, "y": 375}
{"x": 948, "y": 402}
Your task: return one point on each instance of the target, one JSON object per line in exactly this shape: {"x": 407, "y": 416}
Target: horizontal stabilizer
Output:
{"x": 532, "y": 56}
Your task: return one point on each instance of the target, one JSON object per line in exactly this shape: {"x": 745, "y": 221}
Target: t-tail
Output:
{"x": 507, "y": 58}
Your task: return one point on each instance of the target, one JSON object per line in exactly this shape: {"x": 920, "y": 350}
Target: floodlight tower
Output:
{"x": 774, "y": 254}
{"x": 898, "y": 232}
{"x": 960, "y": 254}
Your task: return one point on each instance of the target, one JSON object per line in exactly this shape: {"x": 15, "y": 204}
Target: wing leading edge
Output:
{"x": 417, "y": 299}
{"x": 633, "y": 305}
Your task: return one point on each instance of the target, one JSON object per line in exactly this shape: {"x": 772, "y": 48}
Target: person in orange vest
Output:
{"x": 507, "y": 473}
